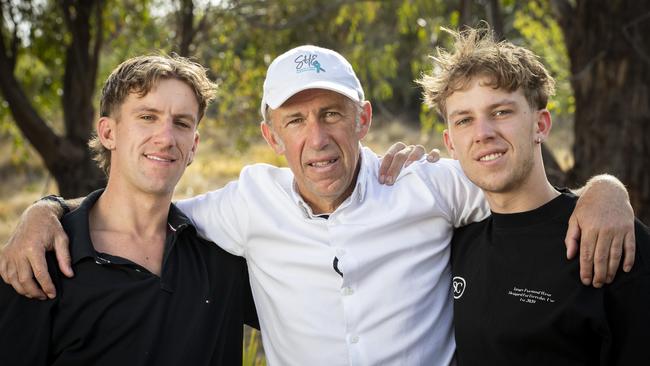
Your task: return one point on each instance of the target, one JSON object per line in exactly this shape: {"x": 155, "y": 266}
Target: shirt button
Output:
{"x": 354, "y": 339}
{"x": 347, "y": 291}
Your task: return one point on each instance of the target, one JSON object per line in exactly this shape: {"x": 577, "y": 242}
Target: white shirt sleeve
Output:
{"x": 465, "y": 202}
{"x": 220, "y": 216}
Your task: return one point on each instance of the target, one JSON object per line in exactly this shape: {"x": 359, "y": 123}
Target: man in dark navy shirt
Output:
{"x": 147, "y": 290}
{"x": 516, "y": 300}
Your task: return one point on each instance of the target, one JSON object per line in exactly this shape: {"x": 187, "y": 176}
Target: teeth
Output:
{"x": 491, "y": 157}
{"x": 157, "y": 158}
{"x": 323, "y": 163}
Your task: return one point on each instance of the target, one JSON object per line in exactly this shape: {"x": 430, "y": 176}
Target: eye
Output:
{"x": 148, "y": 117}
{"x": 182, "y": 123}
{"x": 502, "y": 112}
{"x": 462, "y": 121}
{"x": 294, "y": 121}
{"x": 332, "y": 116}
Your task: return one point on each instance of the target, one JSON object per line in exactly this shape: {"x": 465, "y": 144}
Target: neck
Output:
{"x": 327, "y": 206}
{"x": 536, "y": 191}
{"x": 136, "y": 213}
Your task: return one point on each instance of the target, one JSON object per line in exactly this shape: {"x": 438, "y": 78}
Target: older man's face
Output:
{"x": 318, "y": 131}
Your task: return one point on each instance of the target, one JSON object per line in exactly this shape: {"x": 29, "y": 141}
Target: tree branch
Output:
{"x": 33, "y": 127}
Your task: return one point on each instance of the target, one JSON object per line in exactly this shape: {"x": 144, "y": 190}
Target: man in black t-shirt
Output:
{"x": 517, "y": 301}
{"x": 147, "y": 290}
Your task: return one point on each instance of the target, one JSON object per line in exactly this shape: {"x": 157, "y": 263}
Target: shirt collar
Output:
{"x": 77, "y": 226}
{"x": 357, "y": 194}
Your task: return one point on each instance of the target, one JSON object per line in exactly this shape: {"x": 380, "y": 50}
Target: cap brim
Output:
{"x": 279, "y": 98}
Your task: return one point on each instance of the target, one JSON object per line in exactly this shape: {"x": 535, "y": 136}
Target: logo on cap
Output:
{"x": 308, "y": 62}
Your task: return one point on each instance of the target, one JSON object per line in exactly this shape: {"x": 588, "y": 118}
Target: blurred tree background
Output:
{"x": 54, "y": 55}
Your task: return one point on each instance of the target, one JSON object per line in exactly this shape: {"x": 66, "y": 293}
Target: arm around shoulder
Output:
{"x": 22, "y": 260}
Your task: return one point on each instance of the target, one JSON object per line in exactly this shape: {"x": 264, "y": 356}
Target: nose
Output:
{"x": 483, "y": 129}
{"x": 164, "y": 134}
{"x": 317, "y": 134}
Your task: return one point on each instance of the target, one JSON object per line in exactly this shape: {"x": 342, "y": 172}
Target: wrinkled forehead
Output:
{"x": 310, "y": 100}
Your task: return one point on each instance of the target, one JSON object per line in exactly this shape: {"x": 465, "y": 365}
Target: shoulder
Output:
{"x": 265, "y": 175}
{"x": 211, "y": 253}
{"x": 444, "y": 172}
{"x": 471, "y": 231}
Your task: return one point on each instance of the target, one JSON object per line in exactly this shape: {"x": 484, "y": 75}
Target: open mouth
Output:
{"x": 323, "y": 163}
{"x": 490, "y": 157}
{"x": 159, "y": 158}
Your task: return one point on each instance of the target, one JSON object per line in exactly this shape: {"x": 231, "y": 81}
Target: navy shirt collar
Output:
{"x": 77, "y": 226}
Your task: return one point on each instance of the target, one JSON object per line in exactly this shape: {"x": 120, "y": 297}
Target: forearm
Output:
{"x": 74, "y": 203}
{"x": 604, "y": 181}
{"x": 53, "y": 207}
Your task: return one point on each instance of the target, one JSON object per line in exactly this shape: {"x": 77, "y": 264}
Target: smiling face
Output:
{"x": 153, "y": 138}
{"x": 318, "y": 131}
{"x": 492, "y": 133}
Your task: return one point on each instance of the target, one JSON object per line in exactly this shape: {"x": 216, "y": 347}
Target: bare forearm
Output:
{"x": 607, "y": 181}
{"x": 50, "y": 206}
{"x": 74, "y": 203}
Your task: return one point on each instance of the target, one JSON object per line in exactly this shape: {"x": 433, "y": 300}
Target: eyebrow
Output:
{"x": 328, "y": 107}
{"x": 500, "y": 103}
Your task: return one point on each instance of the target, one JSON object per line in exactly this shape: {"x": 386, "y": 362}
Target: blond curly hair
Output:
{"x": 476, "y": 53}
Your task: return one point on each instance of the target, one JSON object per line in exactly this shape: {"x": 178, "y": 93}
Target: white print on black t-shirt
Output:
{"x": 459, "y": 286}
{"x": 531, "y": 296}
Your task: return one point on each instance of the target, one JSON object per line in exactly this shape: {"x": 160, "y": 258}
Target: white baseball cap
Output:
{"x": 309, "y": 67}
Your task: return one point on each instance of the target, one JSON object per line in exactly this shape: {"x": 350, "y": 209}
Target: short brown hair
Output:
{"x": 139, "y": 75}
{"x": 477, "y": 53}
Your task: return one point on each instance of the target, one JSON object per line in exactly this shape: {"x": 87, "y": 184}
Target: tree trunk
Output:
{"x": 66, "y": 158}
{"x": 186, "y": 29}
{"x": 609, "y": 47}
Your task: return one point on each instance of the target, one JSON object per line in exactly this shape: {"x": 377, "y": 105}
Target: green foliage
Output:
{"x": 543, "y": 36}
{"x": 251, "y": 355}
{"x": 387, "y": 42}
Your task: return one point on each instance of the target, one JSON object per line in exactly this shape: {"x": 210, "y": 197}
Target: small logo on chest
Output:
{"x": 458, "y": 283}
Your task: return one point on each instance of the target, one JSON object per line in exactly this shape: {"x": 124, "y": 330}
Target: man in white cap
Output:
{"x": 344, "y": 270}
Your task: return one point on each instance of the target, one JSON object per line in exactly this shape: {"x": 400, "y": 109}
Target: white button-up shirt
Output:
{"x": 391, "y": 306}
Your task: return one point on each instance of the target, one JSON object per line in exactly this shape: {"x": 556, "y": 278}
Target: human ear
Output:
{"x": 106, "y": 132}
{"x": 365, "y": 120}
{"x": 271, "y": 138}
{"x": 449, "y": 144}
{"x": 543, "y": 125}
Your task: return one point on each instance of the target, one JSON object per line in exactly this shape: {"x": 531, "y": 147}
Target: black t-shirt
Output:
{"x": 116, "y": 312}
{"x": 519, "y": 301}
